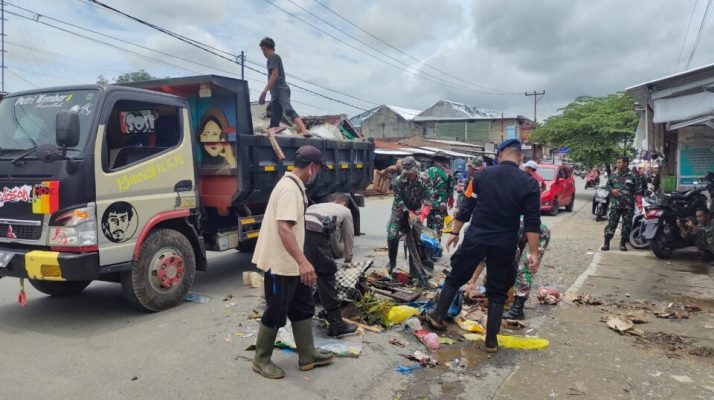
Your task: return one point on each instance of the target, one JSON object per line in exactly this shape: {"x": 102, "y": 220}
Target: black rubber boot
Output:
{"x": 263, "y": 351}
{"x": 337, "y": 327}
{"x": 393, "y": 249}
{"x": 606, "y": 245}
{"x": 308, "y": 356}
{"x": 516, "y": 311}
{"x": 623, "y": 244}
{"x": 493, "y": 326}
{"x": 436, "y": 317}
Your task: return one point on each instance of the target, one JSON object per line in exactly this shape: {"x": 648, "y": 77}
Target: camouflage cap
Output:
{"x": 409, "y": 165}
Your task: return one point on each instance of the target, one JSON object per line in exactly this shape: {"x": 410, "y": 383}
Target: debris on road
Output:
{"x": 196, "y": 298}
{"x": 587, "y": 299}
{"x": 397, "y": 342}
{"x": 513, "y": 342}
{"x": 549, "y": 296}
{"x": 407, "y": 370}
{"x": 469, "y": 325}
{"x": 623, "y": 325}
{"x": 682, "y": 378}
{"x": 398, "y": 314}
{"x": 423, "y": 359}
{"x": 429, "y": 339}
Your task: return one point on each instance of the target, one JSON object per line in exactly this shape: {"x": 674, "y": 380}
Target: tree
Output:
{"x": 136, "y": 76}
{"x": 595, "y": 129}
{"x": 101, "y": 80}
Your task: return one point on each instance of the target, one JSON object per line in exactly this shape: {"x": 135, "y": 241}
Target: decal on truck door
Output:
{"x": 119, "y": 222}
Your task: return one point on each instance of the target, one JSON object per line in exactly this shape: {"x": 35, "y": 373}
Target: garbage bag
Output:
{"x": 432, "y": 246}
{"x": 397, "y": 314}
{"x": 513, "y": 342}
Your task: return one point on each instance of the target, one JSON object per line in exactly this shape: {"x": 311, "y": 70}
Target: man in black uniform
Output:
{"x": 504, "y": 193}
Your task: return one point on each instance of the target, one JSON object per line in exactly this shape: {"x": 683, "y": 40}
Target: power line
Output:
{"x": 208, "y": 48}
{"x": 37, "y": 16}
{"x": 699, "y": 33}
{"x": 397, "y": 67}
{"x": 407, "y": 54}
{"x": 686, "y": 33}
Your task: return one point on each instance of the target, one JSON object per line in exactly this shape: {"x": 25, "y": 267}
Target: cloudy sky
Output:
{"x": 480, "y": 52}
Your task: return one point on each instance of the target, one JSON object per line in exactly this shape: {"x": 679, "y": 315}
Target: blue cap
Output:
{"x": 508, "y": 143}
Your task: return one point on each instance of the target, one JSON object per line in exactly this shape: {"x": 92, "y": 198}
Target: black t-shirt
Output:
{"x": 275, "y": 61}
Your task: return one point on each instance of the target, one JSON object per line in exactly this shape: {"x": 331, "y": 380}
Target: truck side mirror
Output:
{"x": 67, "y": 128}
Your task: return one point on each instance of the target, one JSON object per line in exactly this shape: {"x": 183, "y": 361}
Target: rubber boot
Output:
{"x": 309, "y": 357}
{"x": 337, "y": 327}
{"x": 393, "y": 249}
{"x": 516, "y": 311}
{"x": 623, "y": 244}
{"x": 263, "y": 351}
{"x": 606, "y": 245}
{"x": 436, "y": 317}
{"x": 493, "y": 326}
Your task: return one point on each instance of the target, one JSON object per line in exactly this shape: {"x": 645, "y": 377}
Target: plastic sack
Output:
{"x": 431, "y": 245}
{"x": 513, "y": 342}
{"x": 397, "y": 314}
{"x": 470, "y": 326}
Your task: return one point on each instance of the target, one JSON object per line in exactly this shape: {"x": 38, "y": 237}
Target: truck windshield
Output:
{"x": 29, "y": 120}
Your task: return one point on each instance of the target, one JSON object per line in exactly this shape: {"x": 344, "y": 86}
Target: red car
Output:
{"x": 560, "y": 191}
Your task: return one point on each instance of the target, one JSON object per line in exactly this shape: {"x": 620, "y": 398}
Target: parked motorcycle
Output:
{"x": 601, "y": 201}
{"x": 637, "y": 233}
{"x": 660, "y": 224}
{"x": 592, "y": 182}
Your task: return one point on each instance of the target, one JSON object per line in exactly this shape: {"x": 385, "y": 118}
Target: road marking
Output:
{"x": 586, "y": 274}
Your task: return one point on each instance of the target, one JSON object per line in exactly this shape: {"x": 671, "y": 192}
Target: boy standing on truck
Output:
{"x": 289, "y": 276}
{"x": 278, "y": 88}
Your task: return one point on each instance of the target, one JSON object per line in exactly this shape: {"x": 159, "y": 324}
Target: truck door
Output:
{"x": 144, "y": 168}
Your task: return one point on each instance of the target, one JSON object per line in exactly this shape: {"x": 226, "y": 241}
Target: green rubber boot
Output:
{"x": 263, "y": 351}
{"x": 309, "y": 357}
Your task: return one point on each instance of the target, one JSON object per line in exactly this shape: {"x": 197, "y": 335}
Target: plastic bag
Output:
{"x": 470, "y": 326}
{"x": 397, "y": 314}
{"x": 513, "y": 342}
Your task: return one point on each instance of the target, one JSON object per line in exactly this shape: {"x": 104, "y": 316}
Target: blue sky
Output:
{"x": 566, "y": 47}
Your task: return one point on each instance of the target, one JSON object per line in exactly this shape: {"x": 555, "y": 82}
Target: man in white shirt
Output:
{"x": 289, "y": 276}
{"x": 322, "y": 221}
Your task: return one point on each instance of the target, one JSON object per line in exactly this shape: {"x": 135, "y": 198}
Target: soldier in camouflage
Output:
{"x": 410, "y": 193}
{"x": 622, "y": 185}
{"x": 524, "y": 279}
{"x": 441, "y": 187}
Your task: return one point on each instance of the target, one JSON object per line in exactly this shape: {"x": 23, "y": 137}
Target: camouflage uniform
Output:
{"x": 705, "y": 238}
{"x": 622, "y": 206}
{"x": 442, "y": 189}
{"x": 408, "y": 195}
{"x": 524, "y": 279}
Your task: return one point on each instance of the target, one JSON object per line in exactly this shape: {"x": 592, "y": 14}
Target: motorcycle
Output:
{"x": 660, "y": 224}
{"x": 592, "y": 182}
{"x": 637, "y": 233}
{"x": 601, "y": 200}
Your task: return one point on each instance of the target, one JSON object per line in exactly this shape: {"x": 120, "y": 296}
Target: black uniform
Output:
{"x": 503, "y": 193}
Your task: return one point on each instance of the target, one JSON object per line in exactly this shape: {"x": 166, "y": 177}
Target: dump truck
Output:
{"x": 134, "y": 184}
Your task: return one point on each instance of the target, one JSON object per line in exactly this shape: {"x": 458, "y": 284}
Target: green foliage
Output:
{"x": 136, "y": 76}
{"x": 101, "y": 80}
{"x": 596, "y": 129}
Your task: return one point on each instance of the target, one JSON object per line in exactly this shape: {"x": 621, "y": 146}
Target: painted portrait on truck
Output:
{"x": 218, "y": 155}
{"x": 119, "y": 222}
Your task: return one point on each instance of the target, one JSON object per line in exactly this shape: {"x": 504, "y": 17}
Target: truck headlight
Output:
{"x": 75, "y": 228}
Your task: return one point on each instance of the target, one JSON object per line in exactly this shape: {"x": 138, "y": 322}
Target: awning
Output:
{"x": 683, "y": 108}
{"x": 386, "y": 152}
{"x": 447, "y": 152}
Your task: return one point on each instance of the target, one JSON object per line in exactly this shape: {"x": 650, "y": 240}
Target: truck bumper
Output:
{"x": 48, "y": 265}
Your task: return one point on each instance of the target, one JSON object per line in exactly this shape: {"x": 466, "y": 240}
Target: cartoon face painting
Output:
{"x": 218, "y": 151}
{"x": 119, "y": 222}
{"x": 211, "y": 132}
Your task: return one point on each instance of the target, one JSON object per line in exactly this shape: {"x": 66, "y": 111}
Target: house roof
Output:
{"x": 407, "y": 114}
{"x": 641, "y": 91}
{"x": 451, "y": 110}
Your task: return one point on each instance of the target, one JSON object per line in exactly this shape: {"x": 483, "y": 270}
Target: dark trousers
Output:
{"x": 319, "y": 252}
{"x": 286, "y": 297}
{"x": 279, "y": 104}
{"x": 500, "y": 267}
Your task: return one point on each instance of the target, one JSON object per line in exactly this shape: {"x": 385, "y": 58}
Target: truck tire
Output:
{"x": 61, "y": 288}
{"x": 163, "y": 272}
{"x": 247, "y": 246}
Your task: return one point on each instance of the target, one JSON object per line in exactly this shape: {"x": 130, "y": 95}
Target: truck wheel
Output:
{"x": 556, "y": 207}
{"x": 247, "y": 246}
{"x": 163, "y": 272}
{"x": 61, "y": 288}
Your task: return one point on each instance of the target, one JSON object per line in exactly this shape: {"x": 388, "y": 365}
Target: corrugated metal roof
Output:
{"x": 454, "y": 143}
{"x": 407, "y": 114}
{"x": 447, "y": 152}
{"x": 388, "y": 152}
{"x": 445, "y": 110}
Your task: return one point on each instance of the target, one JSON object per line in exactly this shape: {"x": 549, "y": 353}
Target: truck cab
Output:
{"x": 132, "y": 185}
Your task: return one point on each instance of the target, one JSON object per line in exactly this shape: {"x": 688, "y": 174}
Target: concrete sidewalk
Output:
{"x": 588, "y": 360}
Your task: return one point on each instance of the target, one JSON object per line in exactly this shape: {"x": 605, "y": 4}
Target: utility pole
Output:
{"x": 2, "y": 45}
{"x": 242, "y": 65}
{"x": 535, "y": 95}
